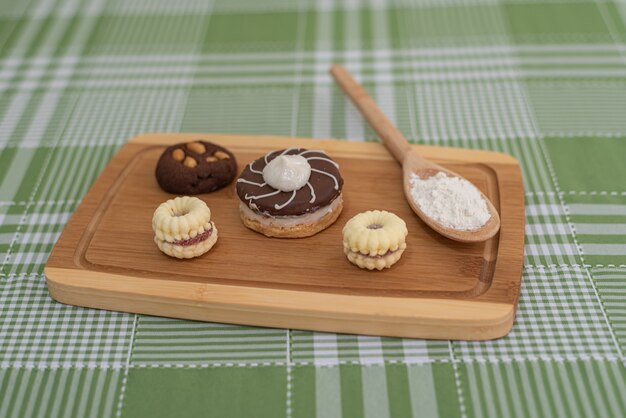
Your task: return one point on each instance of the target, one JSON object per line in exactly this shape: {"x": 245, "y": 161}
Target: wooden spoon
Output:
{"x": 411, "y": 162}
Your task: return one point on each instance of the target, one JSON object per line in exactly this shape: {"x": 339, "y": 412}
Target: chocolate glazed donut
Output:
{"x": 323, "y": 186}
{"x": 309, "y": 199}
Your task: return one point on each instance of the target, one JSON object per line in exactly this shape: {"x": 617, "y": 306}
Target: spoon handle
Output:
{"x": 393, "y": 139}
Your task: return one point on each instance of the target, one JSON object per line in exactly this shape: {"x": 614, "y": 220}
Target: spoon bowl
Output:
{"x": 412, "y": 163}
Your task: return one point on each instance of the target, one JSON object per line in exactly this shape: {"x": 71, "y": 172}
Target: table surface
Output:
{"x": 544, "y": 82}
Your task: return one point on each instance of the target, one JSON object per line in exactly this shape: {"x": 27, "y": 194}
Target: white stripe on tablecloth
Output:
{"x": 100, "y": 390}
{"x": 422, "y": 391}
{"x": 604, "y": 249}
{"x": 542, "y": 400}
{"x": 544, "y": 209}
{"x": 382, "y": 63}
{"x": 542, "y": 229}
{"x": 353, "y": 119}
{"x": 596, "y": 209}
{"x": 320, "y": 78}
{"x": 579, "y": 386}
{"x": 384, "y": 92}
{"x": 598, "y": 388}
{"x": 60, "y": 391}
{"x": 542, "y": 249}
{"x": 601, "y": 229}
{"x": 511, "y": 382}
{"x": 558, "y": 394}
{"x": 30, "y": 404}
{"x": 201, "y": 355}
{"x": 618, "y": 379}
{"x": 375, "y": 397}
{"x": 488, "y": 391}
{"x": 34, "y": 237}
{"x": 85, "y": 391}
{"x": 322, "y": 93}
{"x": 474, "y": 390}
{"x": 327, "y": 379}
{"x": 111, "y": 395}
{"x": 18, "y": 168}
{"x": 325, "y": 349}
{"x": 21, "y": 394}
{"x": 12, "y": 117}
{"x": 373, "y": 378}
{"x": 414, "y": 350}
{"x": 322, "y": 52}
{"x": 502, "y": 392}
{"x": 529, "y": 398}
{"x": 327, "y": 392}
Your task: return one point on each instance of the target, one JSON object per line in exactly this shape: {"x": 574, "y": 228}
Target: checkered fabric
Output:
{"x": 542, "y": 81}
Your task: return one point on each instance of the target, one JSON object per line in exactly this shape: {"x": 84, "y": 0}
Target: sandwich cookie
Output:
{"x": 374, "y": 239}
{"x": 183, "y": 227}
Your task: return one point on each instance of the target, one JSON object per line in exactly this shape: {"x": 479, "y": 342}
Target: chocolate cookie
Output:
{"x": 195, "y": 167}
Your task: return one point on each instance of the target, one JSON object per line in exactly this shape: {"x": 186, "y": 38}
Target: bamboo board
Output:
{"x": 106, "y": 257}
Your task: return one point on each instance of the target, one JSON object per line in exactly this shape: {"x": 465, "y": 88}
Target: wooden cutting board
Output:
{"x": 106, "y": 257}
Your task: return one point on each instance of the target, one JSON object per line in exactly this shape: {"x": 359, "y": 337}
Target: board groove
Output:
{"x": 468, "y": 290}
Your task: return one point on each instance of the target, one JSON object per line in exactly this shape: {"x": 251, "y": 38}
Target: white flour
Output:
{"x": 454, "y": 202}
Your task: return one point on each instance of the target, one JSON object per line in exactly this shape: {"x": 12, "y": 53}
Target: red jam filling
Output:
{"x": 191, "y": 241}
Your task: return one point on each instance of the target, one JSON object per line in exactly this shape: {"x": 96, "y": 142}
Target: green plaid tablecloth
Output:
{"x": 542, "y": 81}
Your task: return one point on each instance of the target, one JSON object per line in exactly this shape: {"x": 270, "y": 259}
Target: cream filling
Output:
{"x": 290, "y": 221}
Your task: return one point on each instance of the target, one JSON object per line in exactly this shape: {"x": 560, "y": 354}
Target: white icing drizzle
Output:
{"x": 312, "y": 192}
{"x": 253, "y": 170}
{"x": 312, "y": 150}
{"x": 250, "y": 182}
{"x": 293, "y": 195}
{"x": 286, "y": 151}
{"x": 323, "y": 159}
{"x": 262, "y": 196}
{"x": 329, "y": 175}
